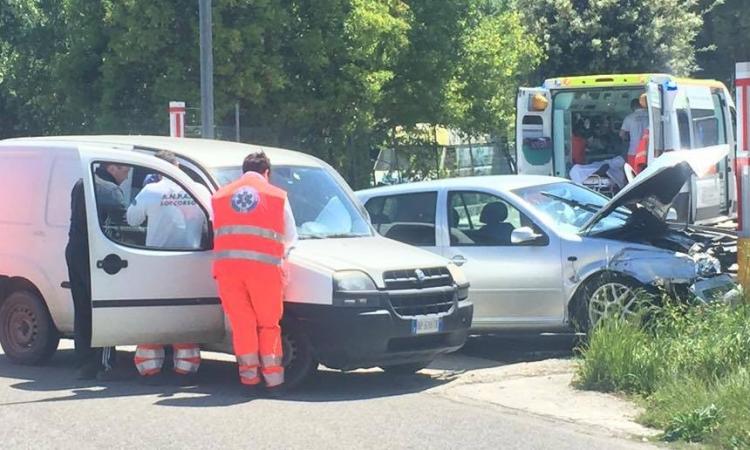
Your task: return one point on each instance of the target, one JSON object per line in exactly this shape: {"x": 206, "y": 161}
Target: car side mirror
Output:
{"x": 524, "y": 235}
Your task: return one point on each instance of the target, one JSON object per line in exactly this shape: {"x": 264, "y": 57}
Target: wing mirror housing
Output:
{"x": 526, "y": 235}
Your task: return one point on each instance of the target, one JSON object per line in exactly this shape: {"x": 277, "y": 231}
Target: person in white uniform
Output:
{"x": 175, "y": 221}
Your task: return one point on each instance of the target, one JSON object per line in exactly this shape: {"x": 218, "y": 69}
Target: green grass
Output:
{"x": 690, "y": 365}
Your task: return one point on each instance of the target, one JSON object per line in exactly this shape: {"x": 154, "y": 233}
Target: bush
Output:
{"x": 691, "y": 364}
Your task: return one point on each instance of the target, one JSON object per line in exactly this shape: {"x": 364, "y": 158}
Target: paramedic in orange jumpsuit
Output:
{"x": 254, "y": 230}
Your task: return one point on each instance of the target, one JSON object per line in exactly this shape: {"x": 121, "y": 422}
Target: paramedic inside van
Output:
{"x": 174, "y": 221}
{"x": 93, "y": 363}
{"x": 634, "y": 125}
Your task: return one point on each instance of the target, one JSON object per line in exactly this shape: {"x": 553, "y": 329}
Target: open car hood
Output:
{"x": 656, "y": 187}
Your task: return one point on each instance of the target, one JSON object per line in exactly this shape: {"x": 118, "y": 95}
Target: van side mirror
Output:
{"x": 524, "y": 235}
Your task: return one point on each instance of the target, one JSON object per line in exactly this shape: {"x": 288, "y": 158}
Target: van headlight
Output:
{"x": 353, "y": 281}
{"x": 459, "y": 278}
{"x": 355, "y": 288}
{"x": 457, "y": 274}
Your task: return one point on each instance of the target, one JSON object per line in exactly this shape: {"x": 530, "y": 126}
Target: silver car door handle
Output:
{"x": 459, "y": 260}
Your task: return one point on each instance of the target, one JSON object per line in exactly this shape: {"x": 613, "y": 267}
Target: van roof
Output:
{"x": 623, "y": 80}
{"x": 207, "y": 152}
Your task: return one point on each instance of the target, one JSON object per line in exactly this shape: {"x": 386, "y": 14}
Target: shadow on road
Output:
{"x": 509, "y": 349}
{"x": 217, "y": 384}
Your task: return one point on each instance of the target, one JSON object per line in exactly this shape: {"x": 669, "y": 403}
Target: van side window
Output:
{"x": 140, "y": 207}
{"x": 409, "y": 218}
{"x": 481, "y": 219}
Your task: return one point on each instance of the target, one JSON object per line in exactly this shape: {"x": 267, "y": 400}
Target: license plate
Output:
{"x": 425, "y": 325}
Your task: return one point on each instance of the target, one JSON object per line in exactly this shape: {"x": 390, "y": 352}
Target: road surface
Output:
{"x": 47, "y": 407}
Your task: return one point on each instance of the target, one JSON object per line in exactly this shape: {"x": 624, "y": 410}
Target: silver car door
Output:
{"x": 512, "y": 285}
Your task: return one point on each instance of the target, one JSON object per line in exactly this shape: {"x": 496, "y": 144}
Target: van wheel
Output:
{"x": 406, "y": 369}
{"x": 299, "y": 361}
{"x": 27, "y": 333}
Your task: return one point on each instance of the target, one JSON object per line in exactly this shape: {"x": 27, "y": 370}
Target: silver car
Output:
{"x": 543, "y": 253}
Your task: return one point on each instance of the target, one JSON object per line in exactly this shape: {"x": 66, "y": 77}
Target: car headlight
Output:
{"x": 706, "y": 265}
{"x": 457, "y": 274}
{"x": 353, "y": 281}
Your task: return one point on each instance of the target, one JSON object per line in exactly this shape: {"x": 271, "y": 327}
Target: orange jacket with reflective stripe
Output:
{"x": 248, "y": 223}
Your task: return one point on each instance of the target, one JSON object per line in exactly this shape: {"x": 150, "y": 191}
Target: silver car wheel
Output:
{"x": 611, "y": 299}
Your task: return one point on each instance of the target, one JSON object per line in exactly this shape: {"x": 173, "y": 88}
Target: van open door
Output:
{"x": 534, "y": 151}
{"x": 144, "y": 291}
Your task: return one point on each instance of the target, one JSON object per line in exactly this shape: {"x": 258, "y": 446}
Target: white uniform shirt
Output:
{"x": 290, "y": 226}
{"x": 174, "y": 219}
{"x": 634, "y": 124}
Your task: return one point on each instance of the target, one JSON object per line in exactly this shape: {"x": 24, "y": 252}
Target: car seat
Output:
{"x": 495, "y": 230}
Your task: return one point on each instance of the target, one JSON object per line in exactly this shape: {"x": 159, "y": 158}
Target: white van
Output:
{"x": 355, "y": 299}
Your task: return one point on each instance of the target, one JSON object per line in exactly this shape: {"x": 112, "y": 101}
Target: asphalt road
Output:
{"x": 46, "y": 407}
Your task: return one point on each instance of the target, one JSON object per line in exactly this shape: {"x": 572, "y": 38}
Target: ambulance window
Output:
{"x": 532, "y": 120}
{"x": 143, "y": 208}
{"x": 683, "y": 125}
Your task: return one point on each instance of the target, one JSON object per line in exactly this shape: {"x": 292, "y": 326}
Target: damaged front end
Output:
{"x": 687, "y": 262}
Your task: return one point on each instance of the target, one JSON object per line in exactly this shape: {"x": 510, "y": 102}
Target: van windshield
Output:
{"x": 321, "y": 206}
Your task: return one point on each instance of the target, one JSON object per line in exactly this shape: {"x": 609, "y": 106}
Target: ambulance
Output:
{"x": 570, "y": 127}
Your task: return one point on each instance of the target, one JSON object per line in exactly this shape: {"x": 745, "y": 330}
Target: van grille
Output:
{"x": 428, "y": 301}
{"x": 418, "y": 292}
{"x": 410, "y": 279}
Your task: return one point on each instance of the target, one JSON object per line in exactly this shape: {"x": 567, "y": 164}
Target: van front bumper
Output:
{"x": 347, "y": 338}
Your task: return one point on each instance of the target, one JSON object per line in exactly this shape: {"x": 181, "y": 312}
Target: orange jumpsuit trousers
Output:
{"x": 252, "y": 296}
{"x": 149, "y": 358}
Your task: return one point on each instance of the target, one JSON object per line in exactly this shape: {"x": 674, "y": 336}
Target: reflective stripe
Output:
{"x": 249, "y": 359}
{"x": 150, "y": 364}
{"x": 249, "y": 255}
{"x": 185, "y": 366}
{"x": 270, "y": 361}
{"x": 249, "y": 373}
{"x": 251, "y": 230}
{"x": 149, "y": 353}
{"x": 274, "y": 379}
{"x": 187, "y": 353}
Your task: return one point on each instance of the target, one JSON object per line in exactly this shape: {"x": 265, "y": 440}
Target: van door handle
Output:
{"x": 112, "y": 264}
{"x": 459, "y": 260}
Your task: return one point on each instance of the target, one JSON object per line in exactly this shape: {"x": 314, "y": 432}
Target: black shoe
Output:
{"x": 88, "y": 371}
{"x": 276, "y": 392}
{"x": 253, "y": 390}
{"x": 157, "y": 379}
{"x": 110, "y": 375}
{"x": 184, "y": 379}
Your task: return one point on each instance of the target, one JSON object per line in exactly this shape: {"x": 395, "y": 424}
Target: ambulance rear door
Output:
{"x": 142, "y": 291}
{"x": 534, "y": 151}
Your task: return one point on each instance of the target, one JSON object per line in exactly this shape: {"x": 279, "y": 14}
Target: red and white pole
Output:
{"x": 177, "y": 119}
{"x": 743, "y": 173}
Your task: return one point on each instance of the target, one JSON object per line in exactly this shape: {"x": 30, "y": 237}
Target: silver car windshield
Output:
{"x": 322, "y": 209}
{"x": 569, "y": 206}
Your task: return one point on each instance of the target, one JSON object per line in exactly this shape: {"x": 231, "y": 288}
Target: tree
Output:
{"x": 723, "y": 39}
{"x": 610, "y": 36}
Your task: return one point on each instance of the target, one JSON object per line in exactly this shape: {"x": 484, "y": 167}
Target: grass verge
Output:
{"x": 690, "y": 365}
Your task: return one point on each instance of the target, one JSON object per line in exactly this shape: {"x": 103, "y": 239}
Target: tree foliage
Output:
{"x": 723, "y": 41}
{"x": 614, "y": 36}
{"x": 331, "y": 77}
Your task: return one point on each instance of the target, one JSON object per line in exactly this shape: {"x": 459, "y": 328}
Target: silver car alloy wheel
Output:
{"x": 612, "y": 299}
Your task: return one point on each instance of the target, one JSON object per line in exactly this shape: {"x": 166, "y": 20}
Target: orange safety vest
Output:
{"x": 248, "y": 223}
{"x": 639, "y": 161}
